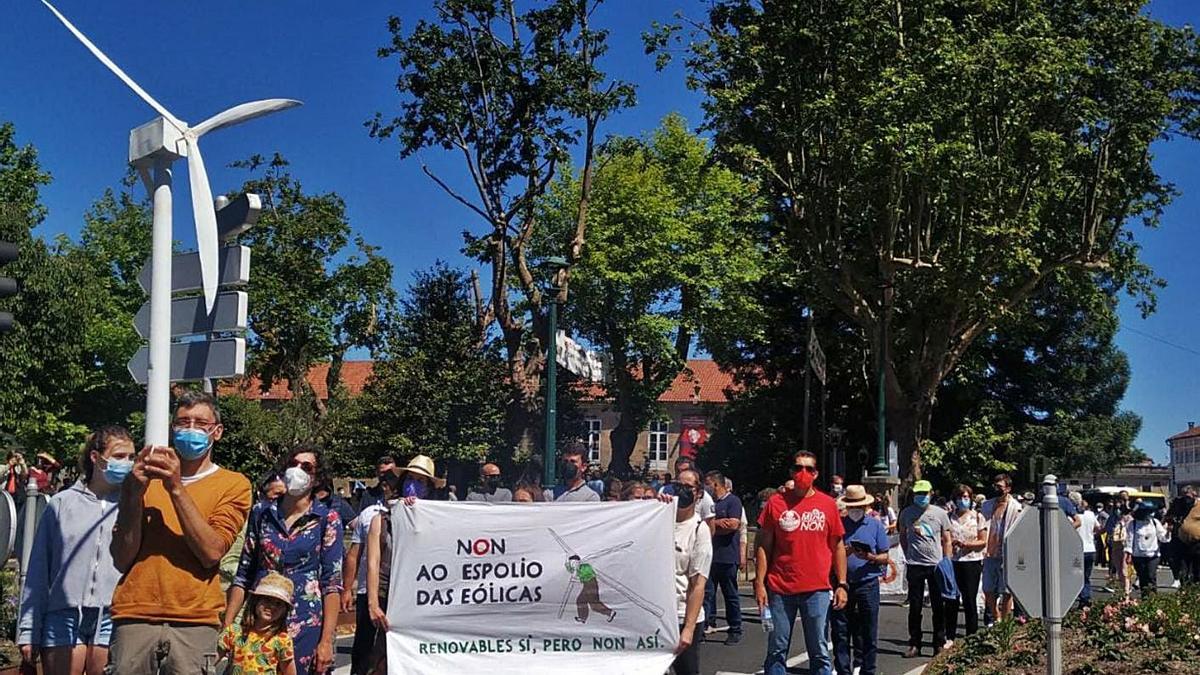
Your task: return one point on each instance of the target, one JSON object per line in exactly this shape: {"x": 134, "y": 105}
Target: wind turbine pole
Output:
{"x": 158, "y": 389}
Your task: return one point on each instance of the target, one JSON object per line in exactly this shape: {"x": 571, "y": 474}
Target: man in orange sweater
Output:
{"x": 179, "y": 514}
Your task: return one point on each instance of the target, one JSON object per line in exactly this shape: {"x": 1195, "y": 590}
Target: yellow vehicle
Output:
{"x": 1103, "y": 494}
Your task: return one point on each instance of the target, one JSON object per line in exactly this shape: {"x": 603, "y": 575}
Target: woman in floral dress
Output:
{"x": 299, "y": 537}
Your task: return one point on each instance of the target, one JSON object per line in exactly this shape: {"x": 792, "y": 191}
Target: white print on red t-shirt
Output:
{"x": 789, "y": 520}
{"x": 810, "y": 521}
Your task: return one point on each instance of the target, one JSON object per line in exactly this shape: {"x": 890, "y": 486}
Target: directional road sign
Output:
{"x": 195, "y": 361}
{"x": 238, "y": 216}
{"x": 233, "y": 270}
{"x": 188, "y": 315}
{"x": 1023, "y": 561}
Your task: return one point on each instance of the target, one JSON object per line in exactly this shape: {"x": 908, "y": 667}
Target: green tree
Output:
{"x": 435, "y": 391}
{"x": 513, "y": 91}
{"x": 959, "y": 154}
{"x": 311, "y": 300}
{"x": 670, "y": 246}
{"x": 44, "y": 366}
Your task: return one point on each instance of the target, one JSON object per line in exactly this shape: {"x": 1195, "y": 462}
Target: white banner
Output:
{"x": 532, "y": 588}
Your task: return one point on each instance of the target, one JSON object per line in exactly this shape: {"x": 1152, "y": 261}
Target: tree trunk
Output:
{"x": 623, "y": 440}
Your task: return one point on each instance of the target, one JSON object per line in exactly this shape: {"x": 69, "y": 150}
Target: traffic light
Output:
{"x": 8, "y": 253}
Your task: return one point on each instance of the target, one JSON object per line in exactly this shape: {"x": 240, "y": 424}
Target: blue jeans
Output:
{"x": 814, "y": 610}
{"x": 858, "y": 625}
{"x": 724, "y": 575}
{"x": 1085, "y": 595}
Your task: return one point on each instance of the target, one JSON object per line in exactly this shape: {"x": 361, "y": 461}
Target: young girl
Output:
{"x": 260, "y": 642}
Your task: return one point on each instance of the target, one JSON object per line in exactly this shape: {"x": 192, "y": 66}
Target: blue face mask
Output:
{"x": 191, "y": 443}
{"x": 115, "y": 470}
{"x": 414, "y": 487}
{"x": 921, "y": 500}
{"x": 964, "y": 503}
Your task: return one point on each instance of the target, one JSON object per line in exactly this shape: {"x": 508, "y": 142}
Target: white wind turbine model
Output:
{"x": 158, "y": 144}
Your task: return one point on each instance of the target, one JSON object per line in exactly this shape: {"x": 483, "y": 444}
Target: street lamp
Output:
{"x": 836, "y": 434}
{"x": 552, "y": 265}
{"x": 881, "y": 464}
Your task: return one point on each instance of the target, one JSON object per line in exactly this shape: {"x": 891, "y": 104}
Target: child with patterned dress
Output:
{"x": 260, "y": 643}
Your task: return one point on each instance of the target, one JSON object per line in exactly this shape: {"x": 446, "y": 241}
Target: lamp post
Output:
{"x": 836, "y": 434}
{"x": 553, "y": 265}
{"x": 881, "y": 464}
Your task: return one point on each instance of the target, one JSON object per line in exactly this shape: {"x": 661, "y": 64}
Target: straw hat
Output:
{"x": 855, "y": 497}
{"x": 422, "y": 466}
{"x": 275, "y": 585}
{"x": 48, "y": 457}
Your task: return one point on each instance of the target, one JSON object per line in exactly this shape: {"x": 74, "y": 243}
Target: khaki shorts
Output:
{"x": 141, "y": 648}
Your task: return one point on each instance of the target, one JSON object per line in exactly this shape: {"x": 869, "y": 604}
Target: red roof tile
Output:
{"x": 354, "y": 377}
{"x": 702, "y": 382}
{"x": 1190, "y": 433}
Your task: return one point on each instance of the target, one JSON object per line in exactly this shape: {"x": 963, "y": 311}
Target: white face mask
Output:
{"x": 297, "y": 481}
{"x": 856, "y": 514}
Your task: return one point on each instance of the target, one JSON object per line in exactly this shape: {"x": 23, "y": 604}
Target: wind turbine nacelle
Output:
{"x": 156, "y": 139}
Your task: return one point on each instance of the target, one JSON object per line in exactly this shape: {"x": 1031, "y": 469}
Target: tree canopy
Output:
{"x": 513, "y": 91}
{"x": 931, "y": 164}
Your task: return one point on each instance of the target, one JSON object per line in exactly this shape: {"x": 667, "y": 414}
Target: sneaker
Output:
{"x": 912, "y": 653}
{"x": 711, "y": 628}
{"x": 733, "y": 639}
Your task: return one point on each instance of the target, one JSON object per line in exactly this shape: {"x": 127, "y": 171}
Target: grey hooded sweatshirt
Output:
{"x": 70, "y": 566}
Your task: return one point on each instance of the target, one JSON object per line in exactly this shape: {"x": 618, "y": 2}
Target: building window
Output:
{"x": 657, "y": 450}
{"x": 593, "y": 440}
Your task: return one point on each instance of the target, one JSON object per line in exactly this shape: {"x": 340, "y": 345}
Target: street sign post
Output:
{"x": 196, "y": 361}
{"x": 1043, "y": 561}
{"x": 230, "y": 313}
{"x": 233, "y": 269}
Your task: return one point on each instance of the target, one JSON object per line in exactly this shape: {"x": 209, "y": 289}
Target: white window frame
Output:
{"x": 658, "y": 446}
{"x": 592, "y": 439}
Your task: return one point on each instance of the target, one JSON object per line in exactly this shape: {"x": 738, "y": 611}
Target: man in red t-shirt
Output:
{"x": 799, "y": 549}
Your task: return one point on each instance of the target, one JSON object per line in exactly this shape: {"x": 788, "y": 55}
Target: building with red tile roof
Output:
{"x": 1185, "y": 456}
{"x": 690, "y": 406}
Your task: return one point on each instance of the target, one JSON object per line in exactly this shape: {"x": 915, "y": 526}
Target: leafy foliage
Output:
{"x": 311, "y": 300}
{"x": 435, "y": 392}
{"x": 670, "y": 247}
{"x": 959, "y": 154}
{"x": 513, "y": 91}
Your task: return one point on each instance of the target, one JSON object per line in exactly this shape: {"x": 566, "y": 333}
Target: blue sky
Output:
{"x": 200, "y": 58}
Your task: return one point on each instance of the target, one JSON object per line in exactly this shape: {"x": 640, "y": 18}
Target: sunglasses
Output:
{"x": 308, "y": 467}
{"x": 806, "y": 468}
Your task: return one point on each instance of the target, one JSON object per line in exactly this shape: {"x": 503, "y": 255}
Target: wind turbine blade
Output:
{"x": 566, "y": 596}
{"x": 206, "y": 221}
{"x": 611, "y": 549}
{"x": 562, "y": 543}
{"x": 630, "y": 595}
{"x": 242, "y": 113}
{"x": 117, "y": 70}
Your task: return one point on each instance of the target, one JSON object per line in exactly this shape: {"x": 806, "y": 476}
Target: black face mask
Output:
{"x": 684, "y": 495}
{"x": 568, "y": 470}
{"x": 490, "y": 483}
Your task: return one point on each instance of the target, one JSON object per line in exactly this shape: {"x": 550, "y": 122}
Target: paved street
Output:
{"x": 746, "y": 658}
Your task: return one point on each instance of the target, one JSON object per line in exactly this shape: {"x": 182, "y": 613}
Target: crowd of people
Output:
{"x": 161, "y": 561}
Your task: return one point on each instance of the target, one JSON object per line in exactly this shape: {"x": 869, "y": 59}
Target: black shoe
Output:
{"x": 733, "y": 639}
